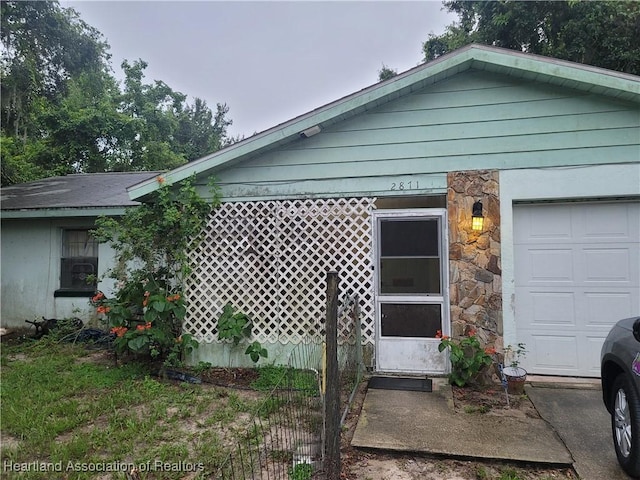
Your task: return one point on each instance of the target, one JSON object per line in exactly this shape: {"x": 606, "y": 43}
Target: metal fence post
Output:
{"x": 332, "y": 399}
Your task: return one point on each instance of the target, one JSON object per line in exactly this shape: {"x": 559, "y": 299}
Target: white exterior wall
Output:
{"x": 30, "y": 272}
{"x": 534, "y": 184}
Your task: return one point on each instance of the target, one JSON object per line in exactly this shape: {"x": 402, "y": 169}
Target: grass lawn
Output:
{"x": 69, "y": 412}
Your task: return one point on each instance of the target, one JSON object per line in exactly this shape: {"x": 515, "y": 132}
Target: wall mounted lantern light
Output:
{"x": 477, "y": 219}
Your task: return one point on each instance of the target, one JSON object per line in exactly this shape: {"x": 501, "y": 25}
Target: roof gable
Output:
{"x": 480, "y": 57}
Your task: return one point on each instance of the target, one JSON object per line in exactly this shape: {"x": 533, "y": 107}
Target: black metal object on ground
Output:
{"x": 72, "y": 330}
{"x": 180, "y": 376}
{"x": 401, "y": 383}
{"x": 46, "y": 325}
{"x": 92, "y": 337}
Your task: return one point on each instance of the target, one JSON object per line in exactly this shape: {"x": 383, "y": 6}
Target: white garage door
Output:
{"x": 577, "y": 271}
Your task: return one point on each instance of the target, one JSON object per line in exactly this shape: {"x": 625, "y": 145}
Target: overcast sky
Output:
{"x": 268, "y": 61}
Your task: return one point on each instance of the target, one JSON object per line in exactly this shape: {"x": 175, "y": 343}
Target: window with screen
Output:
{"x": 79, "y": 264}
{"x": 410, "y": 257}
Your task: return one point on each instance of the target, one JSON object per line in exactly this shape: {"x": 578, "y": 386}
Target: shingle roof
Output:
{"x": 87, "y": 190}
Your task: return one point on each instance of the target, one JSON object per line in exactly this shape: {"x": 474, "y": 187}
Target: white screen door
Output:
{"x": 411, "y": 290}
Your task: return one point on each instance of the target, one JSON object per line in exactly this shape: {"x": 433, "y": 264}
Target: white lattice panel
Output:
{"x": 269, "y": 259}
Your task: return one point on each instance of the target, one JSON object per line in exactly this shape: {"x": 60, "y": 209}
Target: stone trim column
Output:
{"x": 475, "y": 275}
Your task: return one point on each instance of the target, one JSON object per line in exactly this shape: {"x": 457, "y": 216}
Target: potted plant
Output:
{"x": 514, "y": 373}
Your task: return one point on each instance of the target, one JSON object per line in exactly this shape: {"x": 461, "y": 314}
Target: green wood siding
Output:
{"x": 474, "y": 120}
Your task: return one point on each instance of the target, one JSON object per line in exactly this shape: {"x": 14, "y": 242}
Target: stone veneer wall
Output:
{"x": 475, "y": 275}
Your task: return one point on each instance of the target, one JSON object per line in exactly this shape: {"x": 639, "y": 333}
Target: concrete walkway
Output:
{"x": 574, "y": 429}
{"x": 582, "y": 421}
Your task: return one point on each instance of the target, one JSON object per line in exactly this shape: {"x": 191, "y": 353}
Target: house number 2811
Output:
{"x": 410, "y": 185}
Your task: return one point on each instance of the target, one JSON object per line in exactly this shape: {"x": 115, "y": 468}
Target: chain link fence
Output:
{"x": 285, "y": 440}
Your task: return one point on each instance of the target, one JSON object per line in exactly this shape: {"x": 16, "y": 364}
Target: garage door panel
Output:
{"x": 550, "y": 308}
{"x": 606, "y": 308}
{"x": 611, "y": 222}
{"x": 610, "y": 265}
{"x": 557, "y": 354}
{"x": 545, "y": 307}
{"x": 550, "y": 264}
{"x": 573, "y": 223}
{"x": 574, "y": 278}
{"x": 541, "y": 227}
{"x": 554, "y": 352}
{"x": 604, "y": 265}
{"x": 579, "y": 264}
{"x": 579, "y": 309}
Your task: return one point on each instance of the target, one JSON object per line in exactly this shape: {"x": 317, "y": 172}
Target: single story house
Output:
{"x": 381, "y": 186}
{"x": 47, "y": 252}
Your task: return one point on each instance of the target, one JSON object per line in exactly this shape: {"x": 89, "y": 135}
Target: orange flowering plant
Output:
{"x": 151, "y": 242}
{"x": 466, "y": 355}
{"x": 146, "y": 322}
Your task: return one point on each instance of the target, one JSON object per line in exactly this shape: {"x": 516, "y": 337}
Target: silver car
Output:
{"x": 620, "y": 376}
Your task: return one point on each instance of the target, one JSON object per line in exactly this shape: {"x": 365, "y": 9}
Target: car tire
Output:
{"x": 625, "y": 425}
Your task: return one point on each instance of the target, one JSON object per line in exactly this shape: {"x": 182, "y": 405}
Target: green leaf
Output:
{"x": 159, "y": 306}
{"x": 138, "y": 343}
{"x": 255, "y": 351}
{"x": 180, "y": 312}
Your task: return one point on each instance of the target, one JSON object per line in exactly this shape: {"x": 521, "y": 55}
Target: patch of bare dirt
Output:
{"x": 492, "y": 400}
{"x": 9, "y": 442}
{"x": 230, "y": 377}
{"x": 104, "y": 357}
{"x": 15, "y": 336}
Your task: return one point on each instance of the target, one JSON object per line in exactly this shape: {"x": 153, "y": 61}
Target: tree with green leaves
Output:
{"x": 43, "y": 46}
{"x": 198, "y": 131}
{"x": 385, "y": 73}
{"x": 603, "y": 33}
{"x": 167, "y": 131}
{"x": 153, "y": 110}
{"x": 63, "y": 111}
{"x": 86, "y": 126}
